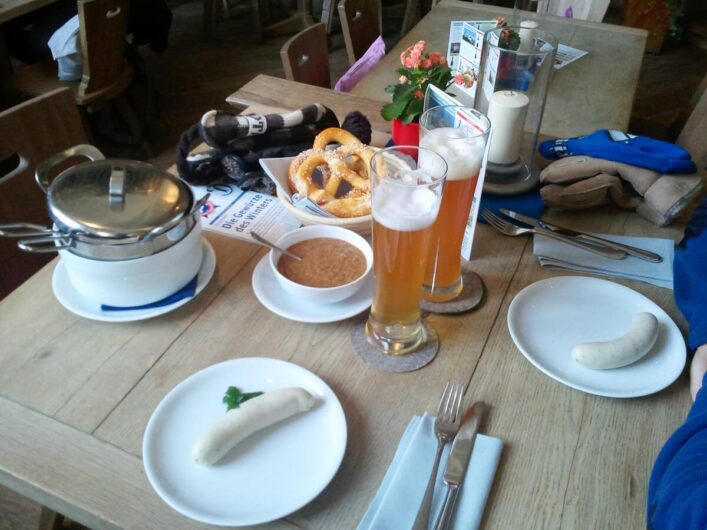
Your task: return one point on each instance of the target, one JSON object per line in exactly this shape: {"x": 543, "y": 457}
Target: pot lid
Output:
{"x": 118, "y": 199}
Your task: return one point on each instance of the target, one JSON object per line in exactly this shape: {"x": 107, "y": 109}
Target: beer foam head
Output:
{"x": 462, "y": 153}
{"x": 403, "y": 207}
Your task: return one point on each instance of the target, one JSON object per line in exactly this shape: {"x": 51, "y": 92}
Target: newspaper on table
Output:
{"x": 235, "y": 213}
{"x": 436, "y": 97}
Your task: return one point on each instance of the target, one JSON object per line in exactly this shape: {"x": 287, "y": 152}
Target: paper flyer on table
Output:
{"x": 566, "y": 55}
{"x": 471, "y": 46}
{"x": 234, "y": 212}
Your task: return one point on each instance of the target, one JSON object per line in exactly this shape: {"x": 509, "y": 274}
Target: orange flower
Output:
{"x": 426, "y": 63}
{"x": 418, "y": 94}
{"x": 438, "y": 59}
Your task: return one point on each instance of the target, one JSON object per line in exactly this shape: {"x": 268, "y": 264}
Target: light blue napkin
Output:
{"x": 558, "y": 255}
{"x": 400, "y": 494}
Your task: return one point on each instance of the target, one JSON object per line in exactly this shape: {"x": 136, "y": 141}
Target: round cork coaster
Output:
{"x": 471, "y": 296}
{"x": 408, "y": 362}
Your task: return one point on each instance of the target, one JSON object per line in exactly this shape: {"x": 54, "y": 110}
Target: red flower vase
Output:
{"x": 405, "y": 134}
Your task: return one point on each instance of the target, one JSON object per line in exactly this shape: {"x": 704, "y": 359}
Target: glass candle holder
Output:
{"x": 515, "y": 72}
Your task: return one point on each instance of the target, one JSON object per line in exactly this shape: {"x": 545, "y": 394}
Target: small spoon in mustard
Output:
{"x": 260, "y": 239}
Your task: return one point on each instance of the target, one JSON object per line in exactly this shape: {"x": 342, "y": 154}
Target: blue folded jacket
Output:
{"x": 639, "y": 151}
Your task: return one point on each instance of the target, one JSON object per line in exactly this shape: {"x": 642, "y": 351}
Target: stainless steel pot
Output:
{"x": 108, "y": 209}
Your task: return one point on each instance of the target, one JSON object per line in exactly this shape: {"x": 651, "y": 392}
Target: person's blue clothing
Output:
{"x": 690, "y": 276}
{"x": 639, "y": 151}
{"x": 677, "y": 490}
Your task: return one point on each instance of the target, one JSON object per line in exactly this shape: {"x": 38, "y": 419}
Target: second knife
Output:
{"x": 537, "y": 223}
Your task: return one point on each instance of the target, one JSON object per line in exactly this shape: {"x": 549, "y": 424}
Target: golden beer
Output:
{"x": 443, "y": 275}
{"x": 404, "y": 207}
{"x": 462, "y": 147}
{"x": 398, "y": 273}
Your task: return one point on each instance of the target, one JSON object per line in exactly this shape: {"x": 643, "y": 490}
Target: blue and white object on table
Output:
{"x": 399, "y": 496}
{"x": 555, "y": 254}
{"x": 72, "y": 300}
{"x": 639, "y": 151}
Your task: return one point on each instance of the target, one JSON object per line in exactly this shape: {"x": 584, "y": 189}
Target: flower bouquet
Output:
{"x": 419, "y": 69}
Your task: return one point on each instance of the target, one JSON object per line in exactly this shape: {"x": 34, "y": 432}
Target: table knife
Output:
{"x": 458, "y": 461}
{"x": 633, "y": 251}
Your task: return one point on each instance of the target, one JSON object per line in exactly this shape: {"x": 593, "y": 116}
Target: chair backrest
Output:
{"x": 30, "y": 133}
{"x": 693, "y": 136}
{"x": 360, "y": 24}
{"x": 305, "y": 57}
{"x": 103, "y": 27}
{"x": 592, "y": 10}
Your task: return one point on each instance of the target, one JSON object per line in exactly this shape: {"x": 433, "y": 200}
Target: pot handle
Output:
{"x": 198, "y": 204}
{"x": 43, "y": 244}
{"x": 43, "y": 169}
{"x": 23, "y": 230}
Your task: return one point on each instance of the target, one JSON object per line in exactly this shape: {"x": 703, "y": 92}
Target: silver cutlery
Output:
{"x": 447, "y": 424}
{"x": 260, "y": 239}
{"x": 458, "y": 461}
{"x": 510, "y": 229}
{"x": 630, "y": 250}
{"x": 300, "y": 201}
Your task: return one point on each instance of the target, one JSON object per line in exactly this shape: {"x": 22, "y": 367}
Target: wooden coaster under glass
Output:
{"x": 472, "y": 295}
{"x": 385, "y": 362}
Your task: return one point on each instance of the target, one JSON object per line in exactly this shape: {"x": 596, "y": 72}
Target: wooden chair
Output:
{"x": 30, "y": 133}
{"x": 106, "y": 72}
{"x": 305, "y": 57}
{"x": 592, "y": 10}
{"x": 361, "y": 24}
{"x": 693, "y": 136}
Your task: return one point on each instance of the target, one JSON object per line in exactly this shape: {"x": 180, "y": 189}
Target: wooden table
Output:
{"x": 10, "y": 9}
{"x": 595, "y": 92}
{"x": 75, "y": 396}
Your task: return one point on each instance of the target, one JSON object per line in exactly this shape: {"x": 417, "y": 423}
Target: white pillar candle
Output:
{"x": 507, "y": 110}
{"x": 527, "y": 42}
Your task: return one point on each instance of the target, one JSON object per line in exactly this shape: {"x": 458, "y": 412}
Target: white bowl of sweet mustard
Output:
{"x": 335, "y": 263}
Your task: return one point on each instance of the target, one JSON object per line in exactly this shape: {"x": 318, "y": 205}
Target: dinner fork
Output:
{"x": 446, "y": 426}
{"x": 510, "y": 229}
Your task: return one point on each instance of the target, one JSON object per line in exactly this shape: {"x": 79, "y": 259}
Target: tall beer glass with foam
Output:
{"x": 405, "y": 199}
{"x": 459, "y": 135}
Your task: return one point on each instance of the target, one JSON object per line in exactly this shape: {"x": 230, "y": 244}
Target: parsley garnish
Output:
{"x": 233, "y": 398}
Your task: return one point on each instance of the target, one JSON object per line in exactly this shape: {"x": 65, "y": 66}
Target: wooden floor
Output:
{"x": 194, "y": 76}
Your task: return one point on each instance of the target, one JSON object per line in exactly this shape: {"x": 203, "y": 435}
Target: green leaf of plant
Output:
{"x": 413, "y": 110}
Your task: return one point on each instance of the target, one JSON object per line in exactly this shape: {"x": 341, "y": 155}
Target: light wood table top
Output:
{"x": 595, "y": 92}
{"x": 76, "y": 395}
{"x": 10, "y": 9}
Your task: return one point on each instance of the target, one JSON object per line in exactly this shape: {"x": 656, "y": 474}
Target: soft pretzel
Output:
{"x": 335, "y": 135}
{"x": 338, "y": 180}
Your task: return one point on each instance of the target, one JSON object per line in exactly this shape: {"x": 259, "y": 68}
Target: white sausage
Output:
{"x": 252, "y": 416}
{"x": 637, "y": 341}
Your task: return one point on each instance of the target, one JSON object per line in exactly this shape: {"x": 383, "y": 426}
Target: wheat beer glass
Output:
{"x": 459, "y": 135}
{"x": 405, "y": 199}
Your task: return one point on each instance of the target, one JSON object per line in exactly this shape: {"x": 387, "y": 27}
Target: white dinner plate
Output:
{"x": 269, "y": 292}
{"x": 549, "y": 317}
{"x": 269, "y": 475}
{"x": 77, "y": 304}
